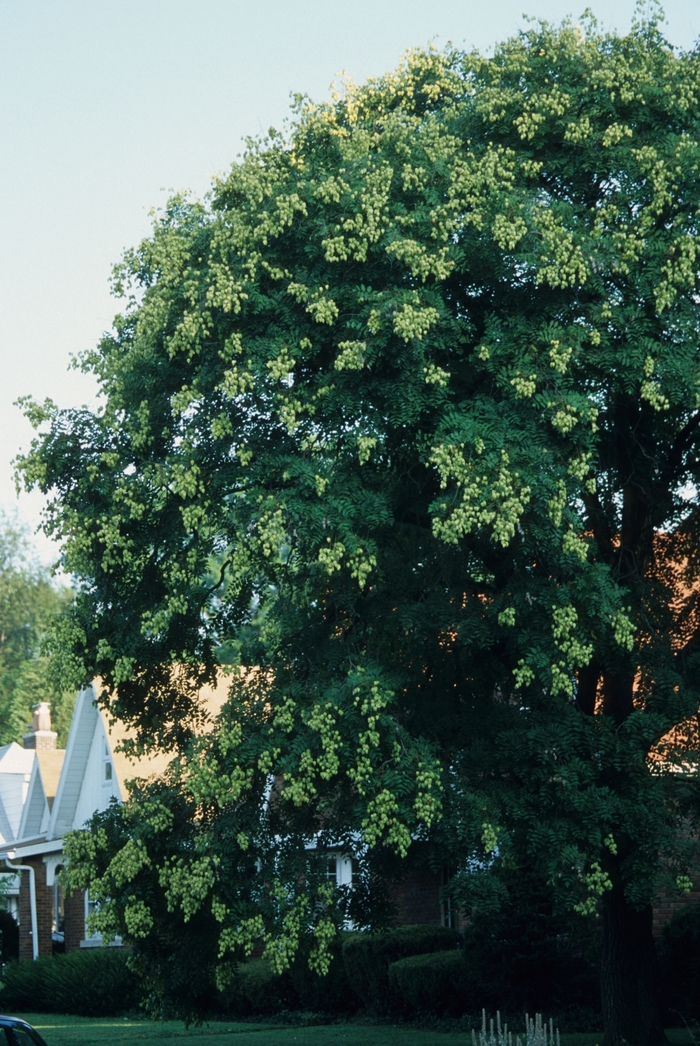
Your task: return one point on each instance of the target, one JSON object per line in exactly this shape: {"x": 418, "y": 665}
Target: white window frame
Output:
{"x": 94, "y": 940}
{"x": 107, "y": 765}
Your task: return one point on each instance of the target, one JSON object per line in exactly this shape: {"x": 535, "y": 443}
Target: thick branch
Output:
{"x": 598, "y": 525}
{"x": 587, "y": 687}
{"x": 680, "y": 444}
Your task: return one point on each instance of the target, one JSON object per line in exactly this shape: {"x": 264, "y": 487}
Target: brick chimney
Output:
{"x": 41, "y": 737}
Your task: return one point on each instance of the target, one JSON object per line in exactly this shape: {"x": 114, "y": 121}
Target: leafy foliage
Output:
{"x": 529, "y": 957}
{"x": 404, "y": 421}
{"x": 29, "y": 606}
{"x": 435, "y": 983}
{"x": 368, "y": 959}
{"x": 258, "y": 989}
{"x": 9, "y": 936}
{"x": 92, "y": 983}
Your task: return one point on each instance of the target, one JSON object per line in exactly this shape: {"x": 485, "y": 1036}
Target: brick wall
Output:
{"x": 418, "y": 898}
{"x": 667, "y": 905}
{"x": 74, "y": 919}
{"x": 44, "y": 910}
{"x": 418, "y": 901}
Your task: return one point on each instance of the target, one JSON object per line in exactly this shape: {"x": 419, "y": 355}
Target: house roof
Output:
{"x": 50, "y": 764}
{"x": 46, "y": 793}
{"x": 16, "y": 760}
{"x": 129, "y": 768}
{"x": 92, "y": 726}
{"x": 35, "y": 806}
{"x": 6, "y": 833}
{"x": 16, "y": 765}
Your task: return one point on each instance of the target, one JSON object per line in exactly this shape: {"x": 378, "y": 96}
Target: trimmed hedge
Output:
{"x": 257, "y": 989}
{"x": 367, "y": 958}
{"x": 329, "y": 994}
{"x": 435, "y": 983}
{"x": 359, "y": 973}
{"x": 92, "y": 983}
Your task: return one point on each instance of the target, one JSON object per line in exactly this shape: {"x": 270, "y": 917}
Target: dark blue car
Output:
{"x": 15, "y": 1032}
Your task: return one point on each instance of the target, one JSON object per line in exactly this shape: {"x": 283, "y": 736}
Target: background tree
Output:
{"x": 29, "y": 605}
{"x": 406, "y": 417}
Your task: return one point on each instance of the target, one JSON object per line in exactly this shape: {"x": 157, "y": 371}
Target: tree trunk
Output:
{"x": 628, "y": 975}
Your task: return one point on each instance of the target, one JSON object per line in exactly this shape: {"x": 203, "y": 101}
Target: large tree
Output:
{"x": 405, "y": 418}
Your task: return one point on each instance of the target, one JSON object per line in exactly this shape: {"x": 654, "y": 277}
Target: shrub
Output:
{"x": 22, "y": 986}
{"x": 435, "y": 983}
{"x": 329, "y": 994}
{"x": 257, "y": 989}
{"x": 367, "y": 958}
{"x": 91, "y": 983}
{"x": 530, "y": 957}
{"x": 680, "y": 958}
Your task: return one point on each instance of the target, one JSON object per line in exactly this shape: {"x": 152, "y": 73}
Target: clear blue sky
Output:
{"x": 107, "y": 104}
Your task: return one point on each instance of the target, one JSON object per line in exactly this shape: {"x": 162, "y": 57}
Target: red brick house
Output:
{"x": 50, "y": 792}
{"x": 45, "y": 793}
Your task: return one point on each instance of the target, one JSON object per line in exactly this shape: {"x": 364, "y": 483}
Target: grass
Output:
{"x": 114, "y": 1031}
{"x": 73, "y": 1031}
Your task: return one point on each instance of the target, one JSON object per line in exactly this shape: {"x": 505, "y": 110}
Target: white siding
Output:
{"x": 15, "y": 771}
{"x": 36, "y": 812}
{"x": 95, "y": 791}
{"x": 80, "y": 738}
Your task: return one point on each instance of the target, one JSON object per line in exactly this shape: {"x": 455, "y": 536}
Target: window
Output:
{"x": 107, "y": 768}
{"x": 21, "y": 1037}
{"x": 91, "y": 906}
{"x": 340, "y": 870}
{"x": 94, "y": 940}
{"x": 447, "y": 916}
{"x": 13, "y": 1035}
{"x": 58, "y": 913}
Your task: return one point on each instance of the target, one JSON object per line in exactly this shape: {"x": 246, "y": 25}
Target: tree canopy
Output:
{"x": 404, "y": 420}
{"x": 29, "y": 606}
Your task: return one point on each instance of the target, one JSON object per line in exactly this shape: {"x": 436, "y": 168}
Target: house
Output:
{"x": 17, "y": 766}
{"x": 45, "y": 793}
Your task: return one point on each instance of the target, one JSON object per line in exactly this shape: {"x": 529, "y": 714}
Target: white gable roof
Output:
{"x": 41, "y": 793}
{"x": 16, "y": 760}
{"x": 92, "y": 773}
{"x": 80, "y": 739}
{"x": 16, "y": 765}
{"x": 36, "y": 808}
{"x": 95, "y": 771}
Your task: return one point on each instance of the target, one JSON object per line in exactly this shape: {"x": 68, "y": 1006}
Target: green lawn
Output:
{"x": 72, "y": 1031}
{"x": 67, "y": 1031}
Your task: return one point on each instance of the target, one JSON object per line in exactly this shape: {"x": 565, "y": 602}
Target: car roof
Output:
{"x": 17, "y": 1022}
